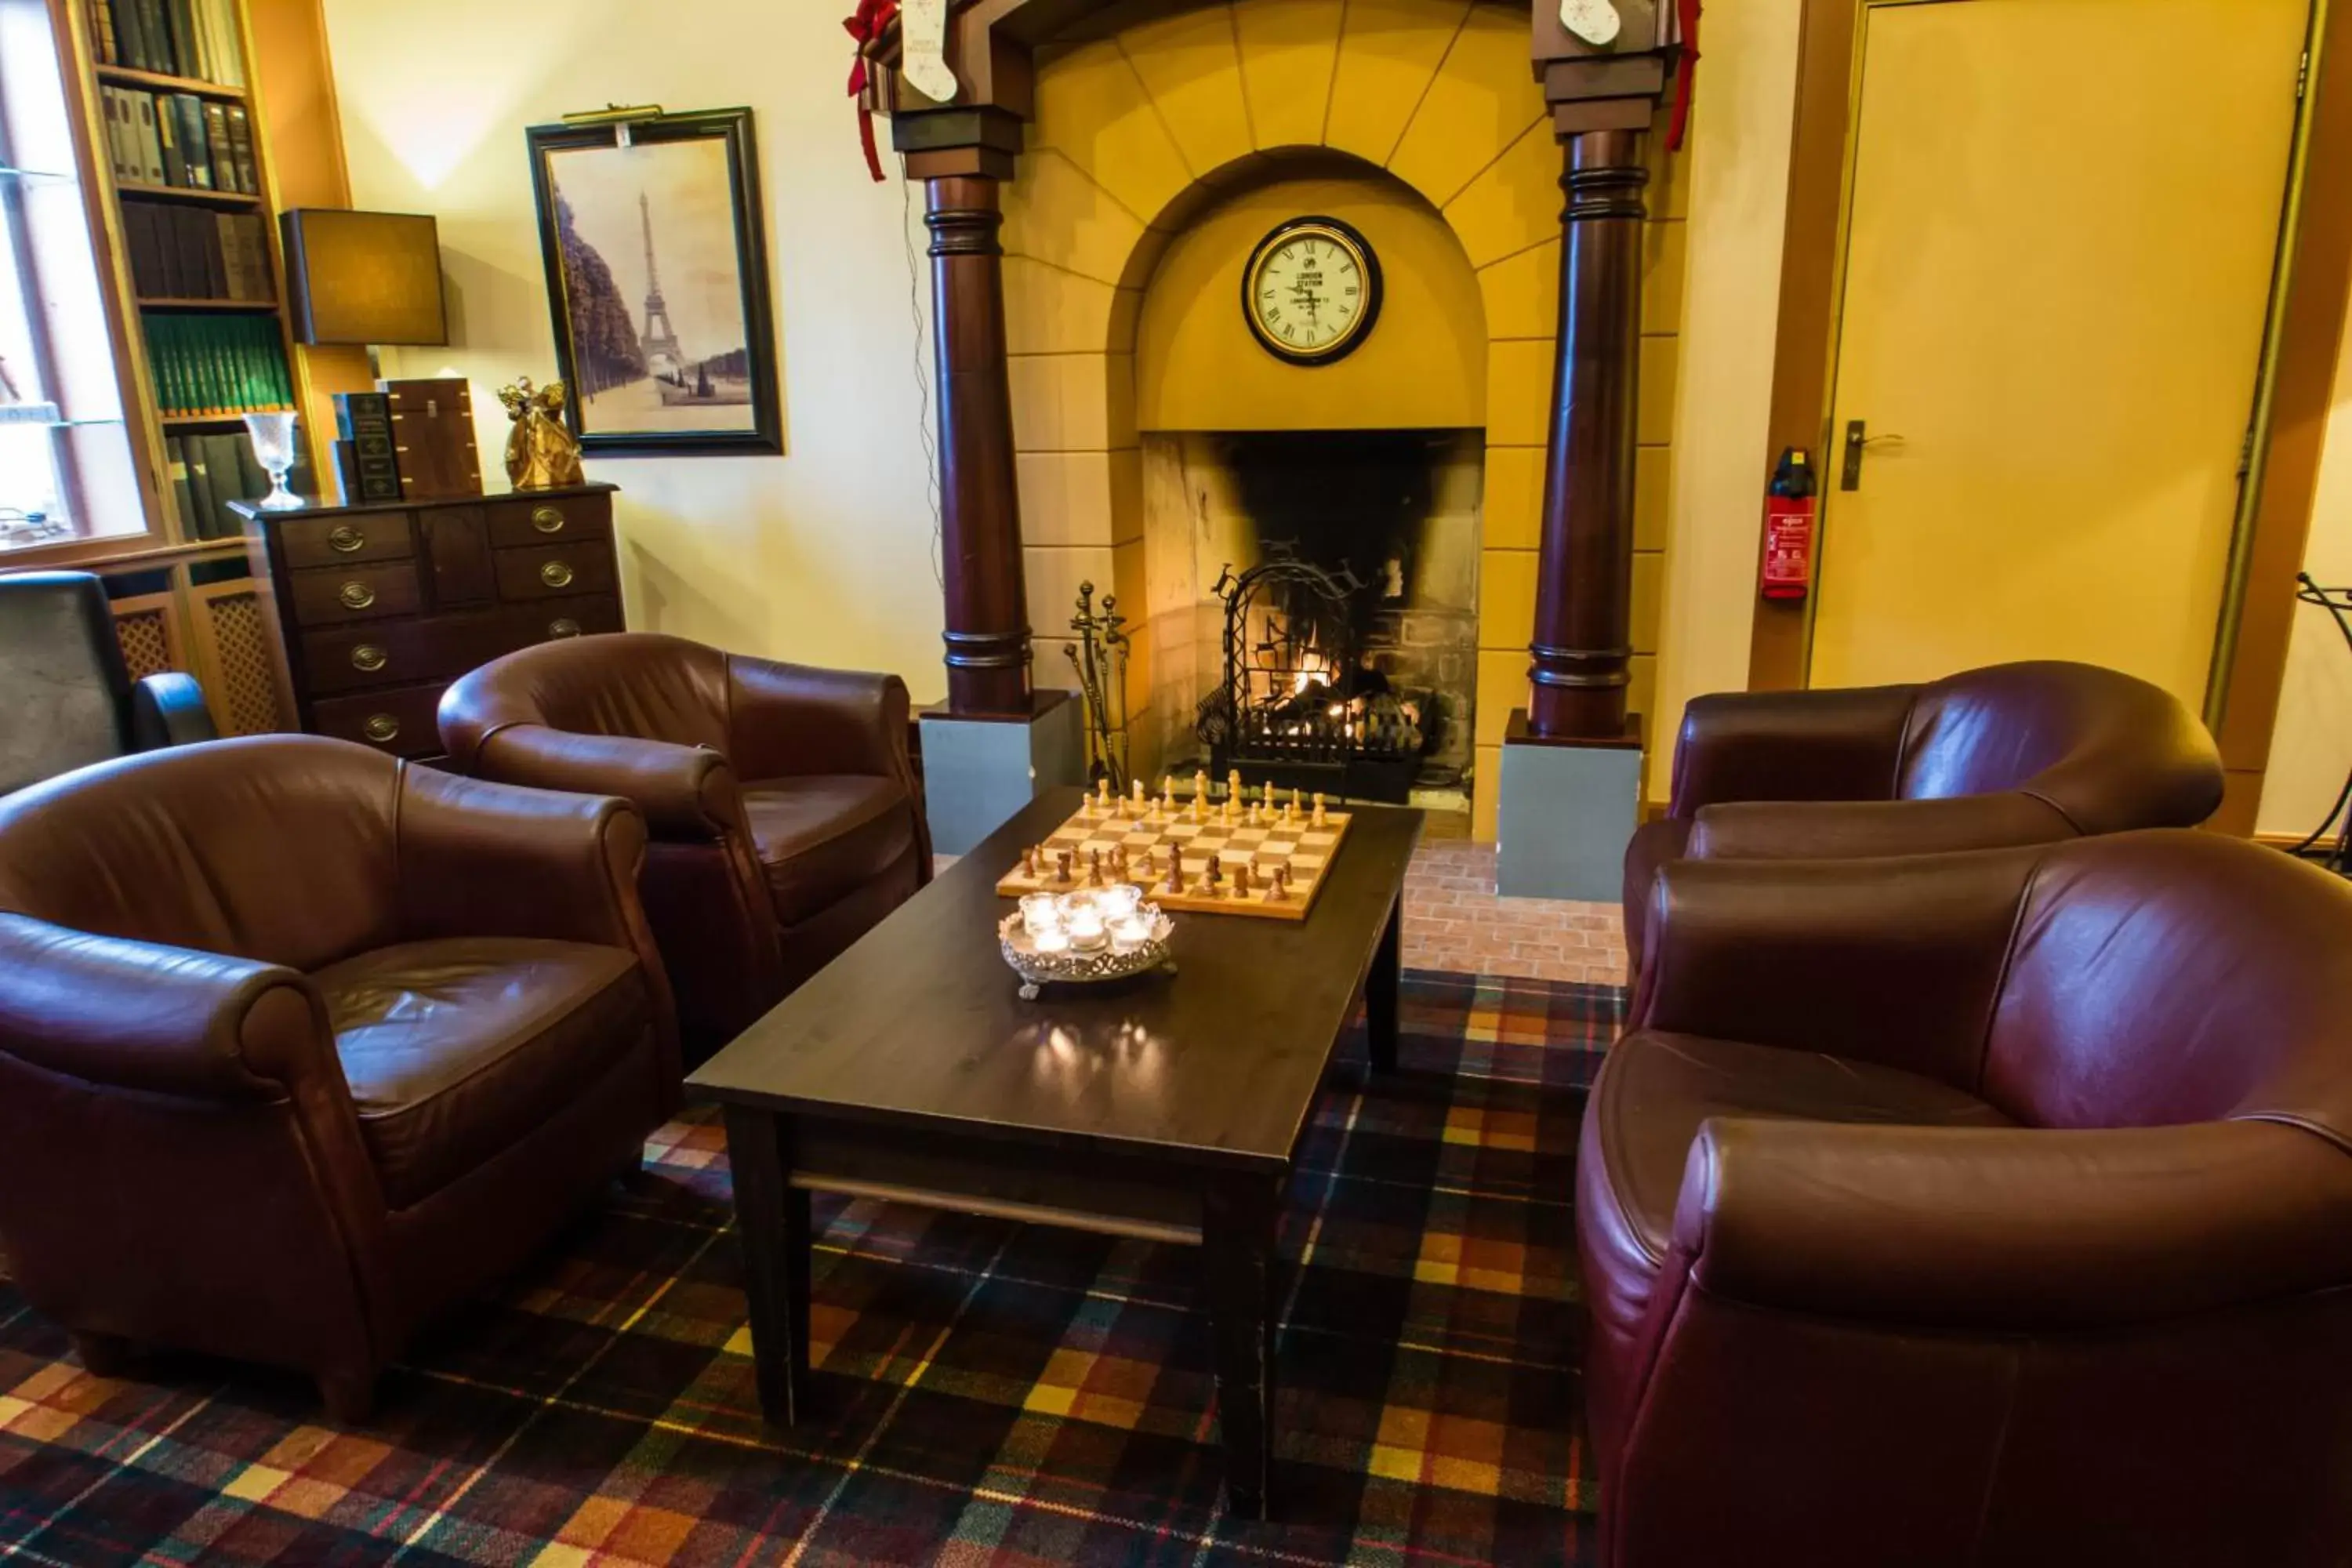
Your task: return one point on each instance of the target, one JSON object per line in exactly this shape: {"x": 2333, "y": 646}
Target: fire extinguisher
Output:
{"x": 1788, "y": 571}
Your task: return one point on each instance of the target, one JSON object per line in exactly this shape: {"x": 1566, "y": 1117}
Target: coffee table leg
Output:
{"x": 771, "y": 1220}
{"x": 1237, "y": 1244}
{"x": 1380, "y": 988}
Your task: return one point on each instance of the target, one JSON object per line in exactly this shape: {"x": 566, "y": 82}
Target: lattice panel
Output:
{"x": 247, "y": 699}
{"x": 146, "y": 640}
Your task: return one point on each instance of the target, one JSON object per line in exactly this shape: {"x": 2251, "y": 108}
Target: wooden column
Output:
{"x": 1584, "y": 585}
{"x": 987, "y": 615}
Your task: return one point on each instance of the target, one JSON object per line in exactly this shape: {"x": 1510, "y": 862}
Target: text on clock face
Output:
{"x": 1309, "y": 291}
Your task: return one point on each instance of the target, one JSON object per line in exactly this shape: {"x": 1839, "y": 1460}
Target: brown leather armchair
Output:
{"x": 1991, "y": 1207}
{"x": 299, "y": 1044}
{"x": 2013, "y": 754}
{"x": 785, "y": 817}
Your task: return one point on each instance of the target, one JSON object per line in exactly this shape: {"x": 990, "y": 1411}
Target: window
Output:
{"x": 67, "y": 469}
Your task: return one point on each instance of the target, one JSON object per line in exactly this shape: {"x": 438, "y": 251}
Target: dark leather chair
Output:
{"x": 66, "y": 699}
{"x": 2013, "y": 754}
{"x": 785, "y": 816}
{"x": 299, "y": 1044}
{"x": 1991, "y": 1207}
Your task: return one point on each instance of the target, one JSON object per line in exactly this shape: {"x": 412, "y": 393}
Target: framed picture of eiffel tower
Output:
{"x": 658, "y": 281}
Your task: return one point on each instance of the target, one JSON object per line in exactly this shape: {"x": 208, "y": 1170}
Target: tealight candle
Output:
{"x": 1118, "y": 901}
{"x": 1085, "y": 929}
{"x": 1052, "y": 940}
{"x": 1040, "y": 913}
{"x": 1131, "y": 932}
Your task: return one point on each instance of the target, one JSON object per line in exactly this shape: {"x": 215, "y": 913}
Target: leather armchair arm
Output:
{"x": 1831, "y": 830}
{"x": 160, "y": 1020}
{"x": 788, "y": 720}
{"x": 492, "y": 859}
{"x": 1834, "y": 744}
{"x": 1911, "y": 949}
{"x": 168, "y": 710}
{"x": 2002, "y": 1230}
{"x": 686, "y": 793}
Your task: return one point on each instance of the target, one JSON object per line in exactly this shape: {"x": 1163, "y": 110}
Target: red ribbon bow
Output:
{"x": 866, "y": 26}
{"x": 1686, "y": 73}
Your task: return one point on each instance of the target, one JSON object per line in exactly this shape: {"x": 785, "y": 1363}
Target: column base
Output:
{"x": 978, "y": 771}
{"x": 1564, "y": 811}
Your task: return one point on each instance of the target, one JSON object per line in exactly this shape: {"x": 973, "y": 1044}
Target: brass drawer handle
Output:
{"x": 555, "y": 575}
{"x": 346, "y": 539}
{"x": 546, "y": 520}
{"x": 356, "y": 596}
{"x": 369, "y": 657}
{"x": 382, "y": 728}
{"x": 564, "y": 627}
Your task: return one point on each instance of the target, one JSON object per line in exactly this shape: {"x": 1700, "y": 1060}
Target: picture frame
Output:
{"x": 656, "y": 250}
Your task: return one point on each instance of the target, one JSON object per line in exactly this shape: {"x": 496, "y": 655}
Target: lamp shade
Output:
{"x": 363, "y": 277}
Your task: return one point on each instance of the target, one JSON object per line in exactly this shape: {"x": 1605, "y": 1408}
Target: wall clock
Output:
{"x": 1311, "y": 290}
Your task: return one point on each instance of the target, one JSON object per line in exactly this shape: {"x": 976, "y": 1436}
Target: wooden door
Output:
{"x": 2062, "y": 226}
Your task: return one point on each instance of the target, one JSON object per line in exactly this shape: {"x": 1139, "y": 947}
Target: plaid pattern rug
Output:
{"x": 998, "y": 1394}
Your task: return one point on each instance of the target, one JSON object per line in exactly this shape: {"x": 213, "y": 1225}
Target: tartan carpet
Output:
{"x": 997, "y": 1394}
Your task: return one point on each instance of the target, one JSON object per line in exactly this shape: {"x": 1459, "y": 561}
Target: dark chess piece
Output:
{"x": 1175, "y": 882}
{"x": 1241, "y": 876}
{"x": 1062, "y": 867}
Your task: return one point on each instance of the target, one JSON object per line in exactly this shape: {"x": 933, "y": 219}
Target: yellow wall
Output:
{"x": 1738, "y": 182}
{"x": 825, "y": 554}
{"x": 1423, "y": 367}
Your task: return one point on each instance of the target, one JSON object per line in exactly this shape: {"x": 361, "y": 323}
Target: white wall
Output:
{"x": 2311, "y": 749}
{"x": 825, "y": 554}
{"x": 1743, "y": 120}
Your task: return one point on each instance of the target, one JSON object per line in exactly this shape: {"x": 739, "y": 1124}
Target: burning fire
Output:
{"x": 1313, "y": 671}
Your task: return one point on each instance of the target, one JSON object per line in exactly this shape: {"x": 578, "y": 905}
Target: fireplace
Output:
{"x": 1313, "y": 619}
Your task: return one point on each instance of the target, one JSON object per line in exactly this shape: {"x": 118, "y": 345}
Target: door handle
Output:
{"x": 1859, "y": 439}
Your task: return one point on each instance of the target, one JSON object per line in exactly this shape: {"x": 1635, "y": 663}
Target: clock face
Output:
{"x": 1311, "y": 290}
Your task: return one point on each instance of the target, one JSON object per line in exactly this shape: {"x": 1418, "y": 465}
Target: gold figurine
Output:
{"x": 541, "y": 455}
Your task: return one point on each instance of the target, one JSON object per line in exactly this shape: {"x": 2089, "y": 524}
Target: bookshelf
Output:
{"x": 183, "y": 589}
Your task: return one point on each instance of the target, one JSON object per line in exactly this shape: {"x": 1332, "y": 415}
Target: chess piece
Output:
{"x": 1175, "y": 882}
{"x": 1062, "y": 868}
{"x": 1233, "y": 784}
{"x": 1029, "y": 862}
{"x": 1251, "y": 815}
{"x": 1225, "y": 811}
{"x": 1213, "y": 874}
{"x": 1294, "y": 802}
{"x": 1320, "y": 820}
{"x": 1167, "y": 796}
{"x": 1242, "y": 876}
{"x": 1118, "y": 862}
{"x": 1143, "y": 866}
{"x": 1102, "y": 793}
{"x": 1200, "y": 792}
{"x": 1281, "y": 883}
{"x": 1094, "y": 869}
{"x": 1270, "y": 793}
{"x": 1136, "y": 791}
{"x": 1289, "y": 811}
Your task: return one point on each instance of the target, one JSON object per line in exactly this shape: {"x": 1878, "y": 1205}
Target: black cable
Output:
{"x": 2338, "y": 602}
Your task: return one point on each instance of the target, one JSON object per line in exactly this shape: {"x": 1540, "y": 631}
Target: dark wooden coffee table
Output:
{"x": 1169, "y": 1108}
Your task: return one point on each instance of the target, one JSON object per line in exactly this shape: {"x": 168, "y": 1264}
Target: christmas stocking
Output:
{"x": 923, "y": 32}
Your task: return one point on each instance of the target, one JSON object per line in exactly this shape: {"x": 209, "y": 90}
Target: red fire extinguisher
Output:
{"x": 1788, "y": 571}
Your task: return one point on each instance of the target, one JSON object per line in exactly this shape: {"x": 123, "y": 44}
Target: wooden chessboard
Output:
{"x": 1305, "y": 849}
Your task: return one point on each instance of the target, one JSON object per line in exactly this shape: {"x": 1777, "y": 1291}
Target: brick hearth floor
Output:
{"x": 1452, "y": 919}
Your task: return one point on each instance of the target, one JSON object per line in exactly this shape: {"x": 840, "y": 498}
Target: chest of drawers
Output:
{"x": 380, "y": 608}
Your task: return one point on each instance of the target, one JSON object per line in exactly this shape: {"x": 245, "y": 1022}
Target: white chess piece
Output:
{"x": 923, "y": 32}
{"x": 1594, "y": 21}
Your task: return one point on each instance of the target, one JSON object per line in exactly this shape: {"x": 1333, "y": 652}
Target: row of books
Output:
{"x": 179, "y": 139}
{"x": 194, "y": 253}
{"x": 177, "y": 38}
{"x": 211, "y": 470}
{"x": 210, "y": 366}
